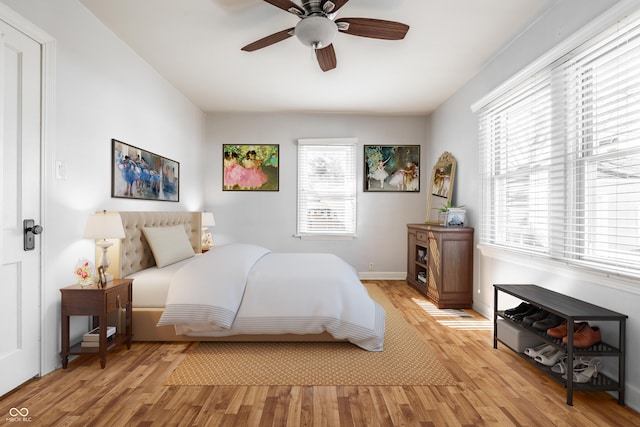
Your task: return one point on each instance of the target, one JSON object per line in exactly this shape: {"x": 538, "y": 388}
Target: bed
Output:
{"x": 266, "y": 296}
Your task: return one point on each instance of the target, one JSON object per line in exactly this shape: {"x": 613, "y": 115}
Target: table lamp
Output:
{"x": 103, "y": 226}
{"x": 207, "y": 221}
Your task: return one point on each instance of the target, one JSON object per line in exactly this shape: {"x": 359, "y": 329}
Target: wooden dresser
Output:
{"x": 440, "y": 264}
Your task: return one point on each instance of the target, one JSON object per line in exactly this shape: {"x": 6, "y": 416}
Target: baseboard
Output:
{"x": 382, "y": 275}
{"x": 483, "y": 309}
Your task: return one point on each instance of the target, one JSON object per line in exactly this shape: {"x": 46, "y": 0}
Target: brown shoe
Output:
{"x": 585, "y": 336}
{"x": 561, "y": 330}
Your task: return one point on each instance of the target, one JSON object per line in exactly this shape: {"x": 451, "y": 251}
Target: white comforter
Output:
{"x": 245, "y": 289}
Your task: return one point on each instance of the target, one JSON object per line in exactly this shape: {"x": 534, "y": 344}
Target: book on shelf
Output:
{"x": 94, "y": 334}
{"x": 90, "y": 344}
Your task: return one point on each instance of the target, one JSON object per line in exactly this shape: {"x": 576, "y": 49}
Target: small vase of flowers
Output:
{"x": 85, "y": 272}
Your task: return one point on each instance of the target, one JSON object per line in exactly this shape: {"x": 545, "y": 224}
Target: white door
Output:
{"x": 20, "y": 198}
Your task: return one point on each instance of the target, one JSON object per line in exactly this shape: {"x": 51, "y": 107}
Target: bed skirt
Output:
{"x": 145, "y": 329}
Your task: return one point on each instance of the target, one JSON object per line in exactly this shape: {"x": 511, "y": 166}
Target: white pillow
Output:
{"x": 168, "y": 244}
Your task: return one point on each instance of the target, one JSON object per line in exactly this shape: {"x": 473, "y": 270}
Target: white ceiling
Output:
{"x": 195, "y": 45}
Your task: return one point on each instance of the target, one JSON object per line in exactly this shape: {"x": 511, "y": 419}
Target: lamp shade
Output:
{"x": 208, "y": 219}
{"x": 104, "y": 226}
{"x": 316, "y": 31}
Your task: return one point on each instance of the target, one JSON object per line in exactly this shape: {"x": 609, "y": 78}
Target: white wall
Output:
{"x": 103, "y": 90}
{"x": 269, "y": 218}
{"x": 454, "y": 127}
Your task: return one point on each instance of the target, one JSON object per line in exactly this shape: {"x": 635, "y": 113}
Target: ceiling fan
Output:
{"x": 317, "y": 28}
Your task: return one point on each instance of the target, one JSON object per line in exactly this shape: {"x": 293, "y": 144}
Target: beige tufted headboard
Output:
{"x": 135, "y": 253}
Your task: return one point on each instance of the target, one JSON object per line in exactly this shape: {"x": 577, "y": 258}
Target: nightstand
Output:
{"x": 96, "y": 302}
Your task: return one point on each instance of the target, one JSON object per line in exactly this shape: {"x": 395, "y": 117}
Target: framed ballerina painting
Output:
{"x": 250, "y": 167}
{"x": 392, "y": 168}
{"x": 141, "y": 174}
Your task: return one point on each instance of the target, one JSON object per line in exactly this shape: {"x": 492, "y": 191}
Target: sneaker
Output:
{"x": 529, "y": 320}
{"x": 551, "y": 321}
{"x": 532, "y": 310}
{"x": 519, "y": 309}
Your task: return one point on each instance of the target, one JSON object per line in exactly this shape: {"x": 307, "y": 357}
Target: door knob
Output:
{"x": 30, "y": 231}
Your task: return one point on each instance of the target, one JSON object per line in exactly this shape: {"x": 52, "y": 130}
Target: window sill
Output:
{"x": 322, "y": 237}
{"x": 565, "y": 269}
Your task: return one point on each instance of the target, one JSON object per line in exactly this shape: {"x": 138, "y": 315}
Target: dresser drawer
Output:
{"x": 421, "y": 236}
{"x": 118, "y": 297}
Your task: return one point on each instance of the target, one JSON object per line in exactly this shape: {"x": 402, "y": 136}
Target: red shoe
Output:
{"x": 561, "y": 331}
{"x": 585, "y": 336}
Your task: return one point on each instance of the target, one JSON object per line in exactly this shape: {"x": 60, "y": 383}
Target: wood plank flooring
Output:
{"x": 495, "y": 388}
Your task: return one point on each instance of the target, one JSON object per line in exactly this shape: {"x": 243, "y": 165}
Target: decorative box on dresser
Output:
{"x": 440, "y": 264}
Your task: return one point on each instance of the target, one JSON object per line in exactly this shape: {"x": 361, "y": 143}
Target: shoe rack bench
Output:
{"x": 571, "y": 310}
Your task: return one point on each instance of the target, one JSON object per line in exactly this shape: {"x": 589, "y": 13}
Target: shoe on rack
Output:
{"x": 551, "y": 321}
{"x": 586, "y": 336}
{"x": 519, "y": 316}
{"x": 519, "y": 309}
{"x": 561, "y": 330}
{"x": 579, "y": 363}
{"x": 529, "y": 320}
{"x": 584, "y": 373}
{"x": 536, "y": 351}
{"x": 549, "y": 359}
{"x": 561, "y": 366}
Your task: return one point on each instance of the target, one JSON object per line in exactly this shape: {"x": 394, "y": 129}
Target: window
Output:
{"x": 560, "y": 157}
{"x": 327, "y": 187}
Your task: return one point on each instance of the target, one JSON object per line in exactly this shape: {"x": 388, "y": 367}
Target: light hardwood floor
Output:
{"x": 495, "y": 388}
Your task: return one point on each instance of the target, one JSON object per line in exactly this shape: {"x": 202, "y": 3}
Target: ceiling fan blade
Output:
{"x": 287, "y": 5}
{"x": 337, "y": 4}
{"x": 374, "y": 28}
{"x": 269, "y": 40}
{"x": 326, "y": 58}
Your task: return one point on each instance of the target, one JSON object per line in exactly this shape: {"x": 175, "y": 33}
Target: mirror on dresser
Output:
{"x": 440, "y": 187}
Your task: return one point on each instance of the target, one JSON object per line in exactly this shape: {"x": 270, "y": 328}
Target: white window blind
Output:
{"x": 560, "y": 157}
{"x": 327, "y": 187}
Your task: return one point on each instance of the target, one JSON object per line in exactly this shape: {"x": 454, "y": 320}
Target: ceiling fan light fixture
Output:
{"x": 316, "y": 31}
